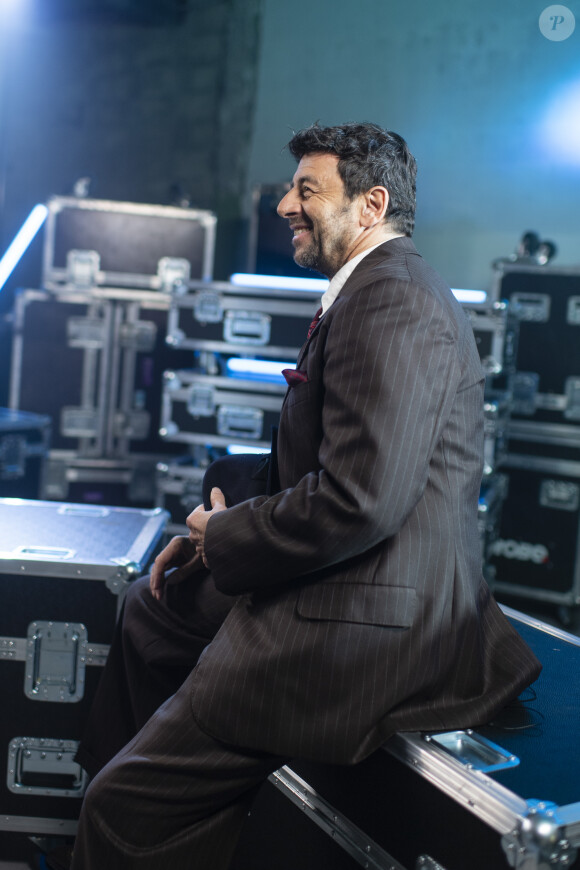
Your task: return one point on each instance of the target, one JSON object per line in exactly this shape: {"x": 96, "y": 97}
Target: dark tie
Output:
{"x": 295, "y": 376}
{"x": 314, "y": 322}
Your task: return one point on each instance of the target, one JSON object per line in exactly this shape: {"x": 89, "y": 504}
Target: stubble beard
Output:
{"x": 310, "y": 258}
{"x": 329, "y": 257}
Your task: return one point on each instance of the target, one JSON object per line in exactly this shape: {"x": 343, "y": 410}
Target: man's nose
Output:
{"x": 288, "y": 205}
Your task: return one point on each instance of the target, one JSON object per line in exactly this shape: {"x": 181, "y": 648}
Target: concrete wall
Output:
{"x": 472, "y": 86}
{"x": 148, "y": 112}
{"x": 151, "y": 112}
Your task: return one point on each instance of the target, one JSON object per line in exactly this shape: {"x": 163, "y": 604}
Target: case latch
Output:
{"x": 139, "y": 336}
{"x": 473, "y": 750}
{"x": 201, "y": 401}
{"x": 525, "y": 392}
{"x": 77, "y": 422}
{"x": 12, "y": 457}
{"x": 235, "y": 421}
{"x": 561, "y": 495}
{"x": 82, "y": 268}
{"x": 134, "y": 424}
{"x": 173, "y": 274}
{"x": 55, "y": 667}
{"x": 573, "y": 311}
{"x": 247, "y": 327}
{"x": 208, "y": 307}
{"x": 572, "y": 391}
{"x": 534, "y": 307}
{"x": 89, "y": 333}
{"x": 42, "y": 766}
{"x": 32, "y": 551}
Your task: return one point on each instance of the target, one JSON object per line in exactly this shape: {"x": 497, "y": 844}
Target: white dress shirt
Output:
{"x": 339, "y": 280}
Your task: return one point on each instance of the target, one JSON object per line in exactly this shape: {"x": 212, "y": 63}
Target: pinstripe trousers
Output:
{"x": 173, "y": 797}
{"x": 155, "y": 646}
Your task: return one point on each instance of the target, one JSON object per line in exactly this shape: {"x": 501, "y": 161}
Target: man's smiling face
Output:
{"x": 324, "y": 221}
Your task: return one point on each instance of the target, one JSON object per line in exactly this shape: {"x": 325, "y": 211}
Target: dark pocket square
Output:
{"x": 294, "y": 377}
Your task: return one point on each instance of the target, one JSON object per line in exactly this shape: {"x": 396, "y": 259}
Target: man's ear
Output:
{"x": 375, "y": 204}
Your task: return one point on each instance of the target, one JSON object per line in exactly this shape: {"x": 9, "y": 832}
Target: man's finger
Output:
{"x": 156, "y": 583}
{"x": 217, "y": 499}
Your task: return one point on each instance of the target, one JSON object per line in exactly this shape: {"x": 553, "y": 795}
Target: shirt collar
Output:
{"x": 341, "y": 277}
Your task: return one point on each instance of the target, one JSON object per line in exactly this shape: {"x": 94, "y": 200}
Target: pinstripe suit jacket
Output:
{"x": 362, "y": 608}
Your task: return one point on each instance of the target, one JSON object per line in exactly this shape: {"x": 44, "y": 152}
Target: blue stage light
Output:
{"x": 473, "y": 297}
{"x": 278, "y": 282}
{"x": 560, "y": 126}
{"x": 236, "y": 449}
{"x": 21, "y": 241}
{"x": 257, "y": 369}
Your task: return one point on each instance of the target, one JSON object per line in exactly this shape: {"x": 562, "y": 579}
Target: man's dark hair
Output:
{"x": 368, "y": 156}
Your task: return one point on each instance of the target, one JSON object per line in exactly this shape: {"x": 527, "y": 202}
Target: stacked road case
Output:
{"x": 227, "y": 405}
{"x": 90, "y": 350}
{"x": 242, "y": 337}
{"x": 64, "y": 569}
{"x": 496, "y": 328}
{"x": 264, "y": 322}
{"x": 24, "y": 445}
{"x": 128, "y": 347}
{"x": 537, "y": 553}
{"x": 92, "y": 242}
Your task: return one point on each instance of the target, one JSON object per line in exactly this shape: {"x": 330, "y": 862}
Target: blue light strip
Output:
{"x": 278, "y": 282}
{"x": 281, "y": 282}
{"x": 21, "y": 241}
{"x": 257, "y": 369}
{"x": 475, "y": 297}
{"x": 236, "y": 449}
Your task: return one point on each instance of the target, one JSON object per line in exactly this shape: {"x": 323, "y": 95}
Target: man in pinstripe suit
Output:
{"x": 349, "y": 604}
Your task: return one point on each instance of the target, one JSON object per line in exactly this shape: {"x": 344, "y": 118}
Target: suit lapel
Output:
{"x": 391, "y": 250}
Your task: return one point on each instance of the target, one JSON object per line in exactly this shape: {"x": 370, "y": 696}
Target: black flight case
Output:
{"x": 506, "y": 795}
{"x": 64, "y": 570}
